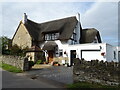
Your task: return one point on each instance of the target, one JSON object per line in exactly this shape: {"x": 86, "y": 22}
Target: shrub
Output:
{"x": 39, "y": 62}
{"x": 31, "y": 63}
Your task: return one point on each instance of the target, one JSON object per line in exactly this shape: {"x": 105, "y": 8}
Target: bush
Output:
{"x": 16, "y": 50}
{"x": 31, "y": 63}
{"x": 39, "y": 62}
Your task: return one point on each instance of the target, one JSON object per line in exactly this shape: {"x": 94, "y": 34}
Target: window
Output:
{"x": 73, "y": 39}
{"x": 51, "y": 36}
{"x": 95, "y": 40}
{"x": 114, "y": 55}
{"x": 60, "y": 52}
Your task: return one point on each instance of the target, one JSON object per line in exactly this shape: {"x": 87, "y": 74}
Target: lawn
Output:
{"x": 10, "y": 68}
{"x": 91, "y": 86}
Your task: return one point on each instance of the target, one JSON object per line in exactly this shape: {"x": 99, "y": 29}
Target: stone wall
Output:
{"x": 95, "y": 71}
{"x": 19, "y": 62}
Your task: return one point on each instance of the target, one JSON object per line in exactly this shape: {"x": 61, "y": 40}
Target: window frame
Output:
{"x": 51, "y": 36}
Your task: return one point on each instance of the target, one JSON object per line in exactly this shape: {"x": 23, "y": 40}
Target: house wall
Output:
{"x": 22, "y": 37}
{"x": 118, "y": 53}
{"x": 77, "y": 31}
{"x": 90, "y": 52}
{"x": 110, "y": 53}
{"x": 31, "y": 56}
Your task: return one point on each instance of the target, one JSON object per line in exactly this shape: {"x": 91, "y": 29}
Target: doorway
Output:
{"x": 72, "y": 56}
{"x": 50, "y": 56}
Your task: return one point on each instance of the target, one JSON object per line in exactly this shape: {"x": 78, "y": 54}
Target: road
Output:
{"x": 57, "y": 73}
{"x": 11, "y": 80}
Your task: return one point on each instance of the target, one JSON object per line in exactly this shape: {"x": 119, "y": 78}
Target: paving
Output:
{"x": 61, "y": 74}
{"x": 11, "y": 80}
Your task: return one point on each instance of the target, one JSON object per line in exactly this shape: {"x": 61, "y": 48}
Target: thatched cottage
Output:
{"x": 62, "y": 40}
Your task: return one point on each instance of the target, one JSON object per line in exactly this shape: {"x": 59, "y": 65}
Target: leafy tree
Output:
{"x": 5, "y": 44}
{"x": 7, "y": 48}
{"x": 16, "y": 50}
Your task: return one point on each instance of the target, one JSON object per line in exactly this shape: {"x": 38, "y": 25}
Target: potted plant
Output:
{"x": 39, "y": 62}
{"x": 56, "y": 64}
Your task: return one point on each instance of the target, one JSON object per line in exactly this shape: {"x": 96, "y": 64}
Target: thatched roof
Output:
{"x": 88, "y": 35}
{"x": 50, "y": 45}
{"x": 64, "y": 26}
{"x": 34, "y": 49}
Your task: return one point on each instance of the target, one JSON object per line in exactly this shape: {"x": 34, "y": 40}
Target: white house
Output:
{"x": 64, "y": 39}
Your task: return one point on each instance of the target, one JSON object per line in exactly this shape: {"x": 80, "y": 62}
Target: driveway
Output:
{"x": 61, "y": 74}
{"x": 11, "y": 80}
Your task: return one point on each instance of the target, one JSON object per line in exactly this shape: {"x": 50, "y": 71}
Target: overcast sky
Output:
{"x": 100, "y": 15}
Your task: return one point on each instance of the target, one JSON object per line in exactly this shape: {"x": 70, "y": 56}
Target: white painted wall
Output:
{"x": 77, "y": 31}
{"x": 118, "y": 52}
{"x": 110, "y": 53}
{"x": 89, "y": 55}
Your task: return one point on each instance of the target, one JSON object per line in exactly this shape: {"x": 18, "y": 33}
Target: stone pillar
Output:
{"x": 25, "y": 64}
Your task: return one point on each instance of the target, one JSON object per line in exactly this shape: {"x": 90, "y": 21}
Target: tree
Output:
{"x": 5, "y": 44}
{"x": 7, "y": 48}
{"x": 18, "y": 51}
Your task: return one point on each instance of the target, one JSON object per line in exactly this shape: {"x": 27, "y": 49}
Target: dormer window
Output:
{"x": 95, "y": 40}
{"x": 51, "y": 36}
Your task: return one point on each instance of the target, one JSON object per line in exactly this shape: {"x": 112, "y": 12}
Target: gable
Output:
{"x": 22, "y": 37}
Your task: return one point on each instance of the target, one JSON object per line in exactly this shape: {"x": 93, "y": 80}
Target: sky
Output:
{"x": 100, "y": 15}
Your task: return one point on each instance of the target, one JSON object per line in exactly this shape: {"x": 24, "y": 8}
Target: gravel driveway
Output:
{"x": 61, "y": 74}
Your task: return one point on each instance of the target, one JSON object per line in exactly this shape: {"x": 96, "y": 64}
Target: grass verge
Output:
{"x": 10, "y": 68}
{"x": 90, "y": 85}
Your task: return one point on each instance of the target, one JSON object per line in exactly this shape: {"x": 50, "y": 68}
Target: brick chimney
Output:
{"x": 24, "y": 20}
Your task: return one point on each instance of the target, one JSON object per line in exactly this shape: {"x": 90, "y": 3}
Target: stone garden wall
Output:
{"x": 95, "y": 71}
{"x": 19, "y": 62}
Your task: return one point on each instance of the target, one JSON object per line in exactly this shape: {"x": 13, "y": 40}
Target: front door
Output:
{"x": 50, "y": 56}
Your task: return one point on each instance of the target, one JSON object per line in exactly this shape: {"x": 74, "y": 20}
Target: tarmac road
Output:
{"x": 11, "y": 80}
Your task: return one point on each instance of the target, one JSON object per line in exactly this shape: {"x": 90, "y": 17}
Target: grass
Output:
{"x": 10, "y": 68}
{"x": 92, "y": 86}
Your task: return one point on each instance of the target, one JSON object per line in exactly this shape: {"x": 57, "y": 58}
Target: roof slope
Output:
{"x": 64, "y": 26}
{"x": 88, "y": 35}
{"x": 50, "y": 45}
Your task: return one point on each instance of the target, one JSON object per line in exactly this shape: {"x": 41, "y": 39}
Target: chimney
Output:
{"x": 78, "y": 16}
{"x": 79, "y": 31}
{"x": 24, "y": 18}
